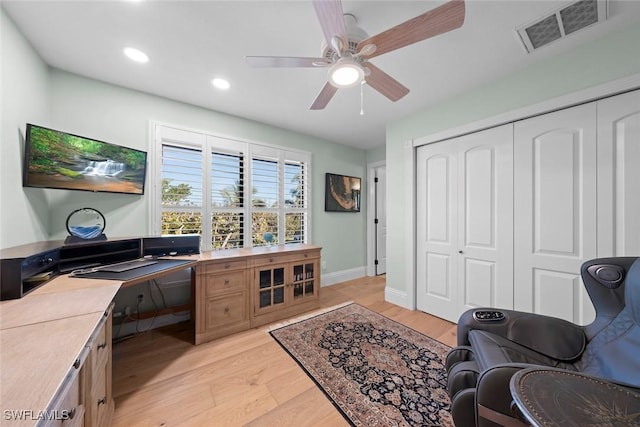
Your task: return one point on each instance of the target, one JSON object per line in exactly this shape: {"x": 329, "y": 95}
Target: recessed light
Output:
{"x": 136, "y": 55}
{"x": 220, "y": 83}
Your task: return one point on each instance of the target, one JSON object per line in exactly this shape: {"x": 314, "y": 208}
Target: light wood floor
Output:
{"x": 161, "y": 379}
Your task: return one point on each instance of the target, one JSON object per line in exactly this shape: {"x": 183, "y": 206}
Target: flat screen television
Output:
{"x": 55, "y": 159}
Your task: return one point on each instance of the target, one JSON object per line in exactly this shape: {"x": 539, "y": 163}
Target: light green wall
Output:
{"x": 614, "y": 56}
{"x": 24, "y": 96}
{"x": 122, "y": 116}
{"x": 376, "y": 154}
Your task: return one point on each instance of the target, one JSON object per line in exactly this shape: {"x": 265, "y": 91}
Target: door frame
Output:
{"x": 407, "y": 299}
{"x": 371, "y": 210}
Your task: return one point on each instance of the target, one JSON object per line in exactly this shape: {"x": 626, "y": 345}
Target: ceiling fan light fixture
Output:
{"x": 345, "y": 73}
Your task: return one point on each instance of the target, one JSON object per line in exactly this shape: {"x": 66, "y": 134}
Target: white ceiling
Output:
{"x": 191, "y": 42}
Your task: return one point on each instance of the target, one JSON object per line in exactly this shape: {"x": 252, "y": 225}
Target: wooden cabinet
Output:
{"x": 252, "y": 287}
{"x": 68, "y": 408}
{"x": 222, "y": 299}
{"x": 85, "y": 397}
{"x": 96, "y": 373}
{"x": 284, "y": 286}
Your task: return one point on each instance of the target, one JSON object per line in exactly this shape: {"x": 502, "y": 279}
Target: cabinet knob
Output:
{"x": 76, "y": 364}
{"x": 101, "y": 346}
{"x": 226, "y": 309}
{"x": 306, "y": 255}
{"x": 227, "y": 265}
{"x": 102, "y": 401}
{"x": 270, "y": 259}
{"x": 226, "y": 282}
{"x": 460, "y": 252}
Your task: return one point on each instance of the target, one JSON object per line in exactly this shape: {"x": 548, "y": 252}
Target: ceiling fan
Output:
{"x": 348, "y": 48}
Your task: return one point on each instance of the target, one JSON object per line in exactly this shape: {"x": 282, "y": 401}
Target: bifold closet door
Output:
{"x": 619, "y": 175}
{"x": 465, "y": 223}
{"x": 555, "y": 211}
{"x": 437, "y": 229}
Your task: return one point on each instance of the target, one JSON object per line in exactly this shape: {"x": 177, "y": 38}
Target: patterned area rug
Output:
{"x": 376, "y": 371}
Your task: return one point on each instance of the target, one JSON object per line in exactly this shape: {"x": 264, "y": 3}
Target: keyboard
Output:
{"x": 127, "y": 265}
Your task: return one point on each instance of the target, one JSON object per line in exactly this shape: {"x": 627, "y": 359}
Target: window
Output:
{"x": 233, "y": 194}
{"x": 227, "y": 200}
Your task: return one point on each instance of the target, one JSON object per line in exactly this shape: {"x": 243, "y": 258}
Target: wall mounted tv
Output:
{"x": 55, "y": 159}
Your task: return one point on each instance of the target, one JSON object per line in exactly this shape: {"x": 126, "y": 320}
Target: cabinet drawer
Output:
{"x": 225, "y": 282}
{"x": 98, "y": 399}
{"x": 280, "y": 259}
{"x": 220, "y": 266}
{"x": 226, "y": 309}
{"x": 99, "y": 352}
{"x": 67, "y": 408}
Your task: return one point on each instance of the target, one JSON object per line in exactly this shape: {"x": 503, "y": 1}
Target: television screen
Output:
{"x": 55, "y": 159}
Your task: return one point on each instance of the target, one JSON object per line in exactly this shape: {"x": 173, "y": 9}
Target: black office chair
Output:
{"x": 494, "y": 344}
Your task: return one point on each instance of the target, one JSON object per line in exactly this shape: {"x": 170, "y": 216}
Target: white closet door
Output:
{"x": 436, "y": 226}
{"x": 619, "y": 175}
{"x": 465, "y": 223}
{"x": 555, "y": 211}
{"x": 485, "y": 219}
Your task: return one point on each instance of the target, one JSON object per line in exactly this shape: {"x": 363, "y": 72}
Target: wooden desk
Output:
{"x": 42, "y": 335}
{"x": 46, "y": 331}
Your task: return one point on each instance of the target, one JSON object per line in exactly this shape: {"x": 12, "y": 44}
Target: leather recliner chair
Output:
{"x": 493, "y": 344}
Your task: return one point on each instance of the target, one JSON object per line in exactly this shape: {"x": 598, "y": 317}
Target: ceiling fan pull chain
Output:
{"x": 362, "y": 97}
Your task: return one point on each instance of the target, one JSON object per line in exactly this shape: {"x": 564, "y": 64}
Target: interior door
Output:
{"x": 437, "y": 229}
{"x": 555, "y": 211}
{"x": 381, "y": 220}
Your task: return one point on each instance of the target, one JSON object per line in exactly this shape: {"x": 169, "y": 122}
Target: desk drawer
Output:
{"x": 99, "y": 353}
{"x": 285, "y": 258}
{"x": 220, "y": 266}
{"x": 67, "y": 408}
{"x": 98, "y": 399}
{"x": 226, "y": 310}
{"x": 226, "y": 282}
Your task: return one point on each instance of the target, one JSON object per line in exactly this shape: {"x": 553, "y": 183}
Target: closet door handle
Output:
{"x": 460, "y": 252}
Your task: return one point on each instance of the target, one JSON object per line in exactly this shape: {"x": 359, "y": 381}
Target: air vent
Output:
{"x": 562, "y": 22}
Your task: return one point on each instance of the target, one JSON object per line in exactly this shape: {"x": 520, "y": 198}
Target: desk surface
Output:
{"x": 554, "y": 397}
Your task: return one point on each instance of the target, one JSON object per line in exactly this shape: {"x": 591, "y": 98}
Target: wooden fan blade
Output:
{"x": 324, "y": 97}
{"x": 440, "y": 20}
{"x": 286, "y": 61}
{"x": 331, "y": 17}
{"x": 384, "y": 83}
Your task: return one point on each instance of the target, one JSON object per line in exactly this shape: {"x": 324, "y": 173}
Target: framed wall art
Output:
{"x": 342, "y": 193}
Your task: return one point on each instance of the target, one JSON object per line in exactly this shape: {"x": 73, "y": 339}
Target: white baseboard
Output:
{"x": 329, "y": 279}
{"x": 396, "y": 297}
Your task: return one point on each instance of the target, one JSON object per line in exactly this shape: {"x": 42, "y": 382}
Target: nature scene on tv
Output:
{"x": 60, "y": 160}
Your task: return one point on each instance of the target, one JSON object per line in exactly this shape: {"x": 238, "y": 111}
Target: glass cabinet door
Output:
{"x": 304, "y": 283}
{"x": 271, "y": 287}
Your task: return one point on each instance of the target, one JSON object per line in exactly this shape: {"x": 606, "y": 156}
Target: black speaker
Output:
{"x": 608, "y": 275}
{"x": 170, "y": 245}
